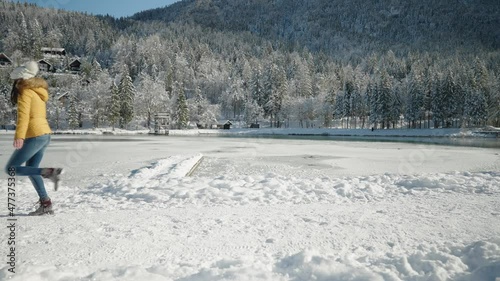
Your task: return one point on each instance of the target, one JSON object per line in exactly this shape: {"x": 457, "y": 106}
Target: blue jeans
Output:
{"x": 31, "y": 153}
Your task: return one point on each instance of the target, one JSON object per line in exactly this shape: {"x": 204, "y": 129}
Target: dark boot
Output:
{"x": 45, "y": 208}
{"x": 53, "y": 174}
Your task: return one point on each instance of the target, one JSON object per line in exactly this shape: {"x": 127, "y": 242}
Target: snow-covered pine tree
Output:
{"x": 480, "y": 75}
{"x": 90, "y": 43}
{"x": 397, "y": 105}
{"x": 246, "y": 75}
{"x": 346, "y": 106}
{"x": 279, "y": 96}
{"x": 494, "y": 101}
{"x": 56, "y": 113}
{"x": 449, "y": 99}
{"x": 483, "y": 85}
{"x": 462, "y": 87}
{"x": 385, "y": 99}
{"x": 181, "y": 108}
{"x": 475, "y": 104}
{"x": 339, "y": 107}
{"x": 257, "y": 87}
{"x": 169, "y": 81}
{"x": 25, "y": 38}
{"x": 276, "y": 88}
{"x": 126, "y": 91}
{"x": 356, "y": 106}
{"x": 37, "y": 39}
{"x": 200, "y": 104}
{"x": 114, "y": 105}
{"x": 475, "y": 108}
{"x": 303, "y": 77}
{"x": 253, "y": 111}
{"x": 95, "y": 70}
{"x": 332, "y": 83}
{"x": 370, "y": 93}
{"x": 437, "y": 100}
{"x": 494, "y": 108}
{"x": 365, "y": 108}
{"x": 328, "y": 108}
{"x": 201, "y": 111}
{"x": 268, "y": 87}
{"x": 414, "y": 109}
{"x": 372, "y": 96}
{"x": 428, "y": 85}
{"x": 5, "y": 106}
{"x": 73, "y": 114}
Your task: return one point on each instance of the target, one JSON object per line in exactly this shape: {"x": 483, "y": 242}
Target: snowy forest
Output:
{"x": 334, "y": 70}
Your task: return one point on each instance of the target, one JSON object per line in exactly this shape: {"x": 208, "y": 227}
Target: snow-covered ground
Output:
{"x": 258, "y": 209}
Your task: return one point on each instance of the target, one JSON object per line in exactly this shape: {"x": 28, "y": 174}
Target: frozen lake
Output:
{"x": 273, "y": 209}
{"x": 488, "y": 142}
{"x": 312, "y": 156}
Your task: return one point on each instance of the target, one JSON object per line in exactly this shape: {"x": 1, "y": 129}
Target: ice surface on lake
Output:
{"x": 261, "y": 209}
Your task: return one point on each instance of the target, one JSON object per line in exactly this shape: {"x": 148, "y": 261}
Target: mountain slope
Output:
{"x": 332, "y": 25}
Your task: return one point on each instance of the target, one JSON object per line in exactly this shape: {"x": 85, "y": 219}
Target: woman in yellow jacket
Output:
{"x": 32, "y": 136}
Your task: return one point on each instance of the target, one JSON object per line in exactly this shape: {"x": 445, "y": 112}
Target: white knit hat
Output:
{"x": 25, "y": 71}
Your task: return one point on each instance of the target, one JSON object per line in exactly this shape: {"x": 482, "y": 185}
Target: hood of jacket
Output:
{"x": 36, "y": 84}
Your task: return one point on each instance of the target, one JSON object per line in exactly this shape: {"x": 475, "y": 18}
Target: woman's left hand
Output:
{"x": 18, "y": 143}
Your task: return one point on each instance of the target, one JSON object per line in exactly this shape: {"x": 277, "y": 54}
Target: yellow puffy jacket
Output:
{"x": 31, "y": 108}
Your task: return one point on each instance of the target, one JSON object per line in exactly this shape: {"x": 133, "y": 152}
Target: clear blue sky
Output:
{"x": 116, "y": 8}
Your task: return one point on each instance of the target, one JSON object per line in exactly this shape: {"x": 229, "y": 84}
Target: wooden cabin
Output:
{"x": 45, "y": 66}
{"x": 53, "y": 52}
{"x": 225, "y": 126}
{"x": 75, "y": 66}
